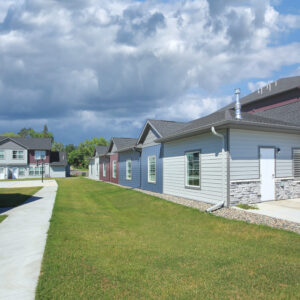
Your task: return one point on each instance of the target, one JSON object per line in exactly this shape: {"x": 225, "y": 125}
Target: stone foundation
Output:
{"x": 287, "y": 189}
{"x": 244, "y": 192}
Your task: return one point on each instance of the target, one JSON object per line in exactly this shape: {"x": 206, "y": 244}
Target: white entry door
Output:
{"x": 267, "y": 173}
{"x": 15, "y": 173}
{"x": 2, "y": 173}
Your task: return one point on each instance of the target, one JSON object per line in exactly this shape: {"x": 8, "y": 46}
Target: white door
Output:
{"x": 267, "y": 173}
{"x": 2, "y": 173}
{"x": 15, "y": 173}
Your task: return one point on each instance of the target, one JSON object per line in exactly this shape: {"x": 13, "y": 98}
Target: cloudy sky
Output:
{"x": 101, "y": 68}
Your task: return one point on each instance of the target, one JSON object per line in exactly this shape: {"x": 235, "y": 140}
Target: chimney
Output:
{"x": 237, "y": 104}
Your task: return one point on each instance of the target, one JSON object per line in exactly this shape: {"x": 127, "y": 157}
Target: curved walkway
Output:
{"x": 23, "y": 237}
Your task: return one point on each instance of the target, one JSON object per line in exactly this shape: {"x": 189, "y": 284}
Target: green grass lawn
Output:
{"x": 2, "y": 217}
{"x": 10, "y": 197}
{"x": 106, "y": 242}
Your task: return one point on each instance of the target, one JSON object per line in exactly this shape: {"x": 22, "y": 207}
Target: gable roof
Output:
{"x": 161, "y": 127}
{"x": 122, "y": 143}
{"x": 226, "y": 118}
{"x": 274, "y": 88}
{"x": 30, "y": 143}
{"x": 58, "y": 158}
{"x": 100, "y": 150}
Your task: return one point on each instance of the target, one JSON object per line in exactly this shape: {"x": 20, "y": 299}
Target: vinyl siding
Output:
{"x": 57, "y": 171}
{"x": 210, "y": 168}
{"x": 112, "y": 158}
{"x": 93, "y": 172}
{"x": 8, "y": 148}
{"x": 105, "y": 160}
{"x": 244, "y": 152}
{"x": 150, "y": 151}
{"x": 150, "y": 138}
{"x": 135, "y": 165}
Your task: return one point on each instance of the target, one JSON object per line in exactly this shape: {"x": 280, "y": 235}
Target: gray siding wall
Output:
{"x": 213, "y": 181}
{"x": 244, "y": 153}
{"x": 134, "y": 156}
{"x": 8, "y": 148}
{"x": 57, "y": 171}
{"x": 150, "y": 138}
{"x": 94, "y": 168}
{"x": 114, "y": 148}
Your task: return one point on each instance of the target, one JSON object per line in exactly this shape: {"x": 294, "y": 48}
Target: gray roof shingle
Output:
{"x": 227, "y": 117}
{"x": 277, "y": 87}
{"x": 164, "y": 128}
{"x": 31, "y": 143}
{"x": 122, "y": 143}
{"x": 100, "y": 150}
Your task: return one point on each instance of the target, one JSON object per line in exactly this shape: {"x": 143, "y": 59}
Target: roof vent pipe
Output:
{"x": 237, "y": 104}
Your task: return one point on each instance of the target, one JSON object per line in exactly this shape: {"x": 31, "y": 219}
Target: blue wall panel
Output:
{"x": 156, "y": 150}
{"x": 135, "y": 162}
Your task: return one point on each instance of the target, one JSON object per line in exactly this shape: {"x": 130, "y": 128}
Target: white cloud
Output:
{"x": 123, "y": 61}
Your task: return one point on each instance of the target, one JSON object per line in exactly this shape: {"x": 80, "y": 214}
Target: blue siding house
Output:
{"x": 152, "y": 153}
{"x": 129, "y": 168}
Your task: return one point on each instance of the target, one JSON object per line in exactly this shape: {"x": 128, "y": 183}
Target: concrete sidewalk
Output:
{"x": 23, "y": 237}
{"x": 26, "y": 183}
{"x": 284, "y": 209}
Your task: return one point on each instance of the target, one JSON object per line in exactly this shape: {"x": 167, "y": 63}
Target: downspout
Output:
{"x": 221, "y": 203}
{"x": 140, "y": 152}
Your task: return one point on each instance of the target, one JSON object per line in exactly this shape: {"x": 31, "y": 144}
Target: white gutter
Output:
{"x": 221, "y": 203}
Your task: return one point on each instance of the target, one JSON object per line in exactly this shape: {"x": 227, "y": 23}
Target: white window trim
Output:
{"x": 128, "y": 177}
{"x": 148, "y": 169}
{"x": 104, "y": 169}
{"x": 186, "y": 170}
{"x": 114, "y": 169}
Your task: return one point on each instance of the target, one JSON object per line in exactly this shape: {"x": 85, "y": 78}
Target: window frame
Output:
{"x": 148, "y": 169}
{"x": 293, "y": 162}
{"x": 127, "y": 169}
{"x": 18, "y": 152}
{"x": 114, "y": 167}
{"x": 188, "y": 186}
{"x": 3, "y": 151}
{"x": 40, "y": 156}
{"x": 36, "y": 170}
{"x": 104, "y": 169}
{"x": 22, "y": 168}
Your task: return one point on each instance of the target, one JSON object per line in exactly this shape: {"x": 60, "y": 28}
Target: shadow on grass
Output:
{"x": 9, "y": 201}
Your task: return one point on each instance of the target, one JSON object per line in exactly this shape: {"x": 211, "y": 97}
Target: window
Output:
{"x": 18, "y": 154}
{"x": 128, "y": 169}
{"x": 114, "y": 169}
{"x": 97, "y": 169}
{"x": 36, "y": 171}
{"x": 91, "y": 169}
{"x": 40, "y": 154}
{"x": 296, "y": 162}
{"x": 192, "y": 169}
{"x": 2, "y": 154}
{"x": 152, "y": 169}
{"x": 21, "y": 171}
{"x": 104, "y": 169}
{"x": 1, "y": 171}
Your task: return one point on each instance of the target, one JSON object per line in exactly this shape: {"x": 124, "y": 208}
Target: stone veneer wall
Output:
{"x": 287, "y": 189}
{"x": 244, "y": 192}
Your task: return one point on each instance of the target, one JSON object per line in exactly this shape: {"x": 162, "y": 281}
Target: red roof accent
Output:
{"x": 286, "y": 102}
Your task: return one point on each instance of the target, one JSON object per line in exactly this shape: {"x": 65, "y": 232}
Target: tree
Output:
{"x": 10, "y": 134}
{"x": 76, "y": 159}
{"x": 45, "y": 131}
{"x": 56, "y": 146}
{"x": 69, "y": 148}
